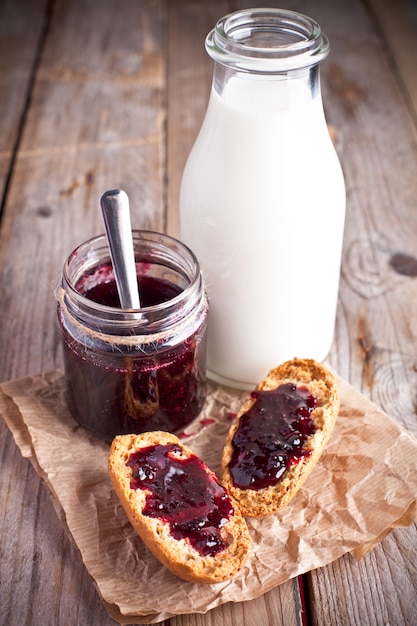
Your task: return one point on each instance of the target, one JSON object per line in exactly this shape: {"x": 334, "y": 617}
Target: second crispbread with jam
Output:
{"x": 291, "y": 415}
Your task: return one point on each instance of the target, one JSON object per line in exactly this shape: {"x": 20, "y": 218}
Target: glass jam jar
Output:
{"x": 132, "y": 371}
{"x": 262, "y": 199}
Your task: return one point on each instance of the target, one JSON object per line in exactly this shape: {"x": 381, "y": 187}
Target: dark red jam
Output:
{"x": 152, "y": 290}
{"x": 182, "y": 494}
{"x": 270, "y": 437}
{"x": 117, "y": 392}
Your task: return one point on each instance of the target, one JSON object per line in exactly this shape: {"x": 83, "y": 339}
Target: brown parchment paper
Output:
{"x": 364, "y": 485}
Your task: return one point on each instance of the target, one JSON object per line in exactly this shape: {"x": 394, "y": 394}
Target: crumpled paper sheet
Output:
{"x": 364, "y": 485}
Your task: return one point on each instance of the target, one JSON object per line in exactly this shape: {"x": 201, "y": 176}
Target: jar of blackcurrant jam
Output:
{"x": 132, "y": 371}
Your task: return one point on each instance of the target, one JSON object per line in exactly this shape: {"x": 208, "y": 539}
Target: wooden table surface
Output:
{"x": 99, "y": 95}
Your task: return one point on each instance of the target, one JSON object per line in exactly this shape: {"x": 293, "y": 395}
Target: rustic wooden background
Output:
{"x": 98, "y": 95}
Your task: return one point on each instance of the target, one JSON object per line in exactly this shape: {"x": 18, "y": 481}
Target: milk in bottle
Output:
{"x": 262, "y": 198}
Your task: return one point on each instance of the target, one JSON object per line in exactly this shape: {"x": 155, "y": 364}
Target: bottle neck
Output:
{"x": 267, "y": 92}
{"x": 267, "y": 56}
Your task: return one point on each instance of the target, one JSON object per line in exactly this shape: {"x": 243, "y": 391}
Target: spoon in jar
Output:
{"x": 116, "y": 215}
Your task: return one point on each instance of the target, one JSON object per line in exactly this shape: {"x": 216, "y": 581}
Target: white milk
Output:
{"x": 262, "y": 206}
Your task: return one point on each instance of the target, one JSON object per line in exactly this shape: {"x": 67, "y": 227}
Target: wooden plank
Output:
{"x": 279, "y": 606}
{"x": 381, "y": 589}
{"x": 95, "y": 121}
{"x": 190, "y": 72}
{"x": 397, "y": 20}
{"x": 21, "y": 32}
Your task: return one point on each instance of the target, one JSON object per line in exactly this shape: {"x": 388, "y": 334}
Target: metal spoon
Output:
{"x": 116, "y": 215}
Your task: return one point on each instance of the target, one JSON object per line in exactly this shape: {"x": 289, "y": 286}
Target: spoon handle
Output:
{"x": 116, "y": 215}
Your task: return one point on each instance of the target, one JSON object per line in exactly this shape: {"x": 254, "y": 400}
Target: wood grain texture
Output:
{"x": 398, "y": 25}
{"x": 364, "y": 593}
{"x": 112, "y": 94}
{"x": 95, "y": 121}
{"x": 22, "y": 24}
{"x": 190, "y": 72}
{"x": 274, "y": 608}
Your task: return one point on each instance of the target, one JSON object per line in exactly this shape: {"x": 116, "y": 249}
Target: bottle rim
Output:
{"x": 267, "y": 40}
{"x": 151, "y": 248}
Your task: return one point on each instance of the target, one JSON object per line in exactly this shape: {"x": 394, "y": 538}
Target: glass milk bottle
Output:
{"x": 262, "y": 199}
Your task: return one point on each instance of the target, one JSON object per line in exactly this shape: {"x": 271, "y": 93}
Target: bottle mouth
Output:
{"x": 267, "y": 41}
